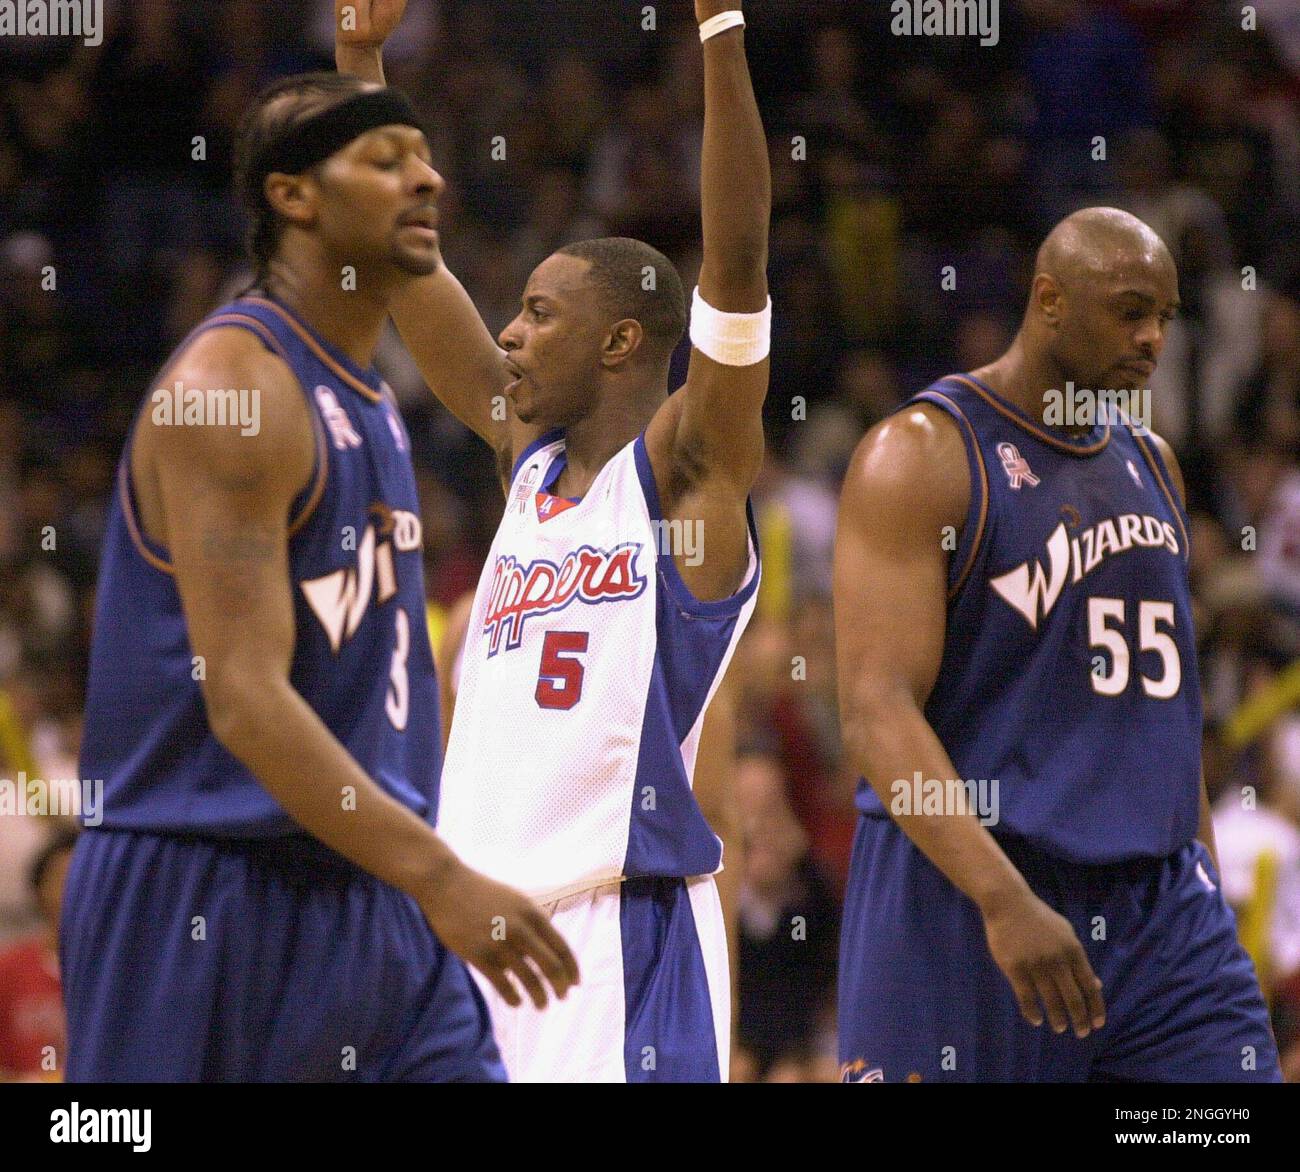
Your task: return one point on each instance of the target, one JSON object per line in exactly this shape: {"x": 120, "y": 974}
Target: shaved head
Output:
{"x": 1095, "y": 242}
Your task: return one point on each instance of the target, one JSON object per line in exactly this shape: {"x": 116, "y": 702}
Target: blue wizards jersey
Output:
{"x": 361, "y": 660}
{"x": 1069, "y": 667}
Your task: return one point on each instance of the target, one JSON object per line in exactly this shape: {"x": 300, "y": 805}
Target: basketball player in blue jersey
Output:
{"x": 622, "y": 574}
{"x": 261, "y": 898}
{"x": 1018, "y": 686}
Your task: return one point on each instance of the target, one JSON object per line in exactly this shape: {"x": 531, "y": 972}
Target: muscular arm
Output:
{"x": 890, "y": 589}
{"x": 706, "y": 443}
{"x": 1205, "y": 821}
{"x": 721, "y": 423}
{"x": 225, "y": 500}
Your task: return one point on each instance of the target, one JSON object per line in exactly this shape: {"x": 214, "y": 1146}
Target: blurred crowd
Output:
{"x": 896, "y": 161}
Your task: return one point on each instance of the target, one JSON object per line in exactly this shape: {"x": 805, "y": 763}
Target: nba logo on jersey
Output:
{"x": 395, "y": 426}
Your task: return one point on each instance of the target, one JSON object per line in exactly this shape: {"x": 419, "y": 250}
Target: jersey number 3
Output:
{"x": 559, "y": 681}
{"x": 1101, "y": 611}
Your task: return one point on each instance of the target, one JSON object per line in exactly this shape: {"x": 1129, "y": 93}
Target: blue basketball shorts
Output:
{"x": 920, "y": 998}
{"x": 190, "y": 959}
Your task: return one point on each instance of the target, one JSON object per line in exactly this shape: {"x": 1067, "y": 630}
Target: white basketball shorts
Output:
{"x": 654, "y": 1004}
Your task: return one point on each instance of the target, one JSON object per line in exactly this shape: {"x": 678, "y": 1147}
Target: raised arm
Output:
{"x": 453, "y": 348}
{"x": 712, "y": 429}
{"x": 890, "y": 591}
{"x": 225, "y": 500}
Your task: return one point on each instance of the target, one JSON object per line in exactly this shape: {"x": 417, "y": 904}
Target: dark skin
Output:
{"x": 1086, "y": 321}
{"x": 219, "y": 502}
{"x": 563, "y": 362}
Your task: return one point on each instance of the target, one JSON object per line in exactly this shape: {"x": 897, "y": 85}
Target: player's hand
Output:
{"x": 502, "y": 933}
{"x": 366, "y": 24}
{"x": 1038, "y": 952}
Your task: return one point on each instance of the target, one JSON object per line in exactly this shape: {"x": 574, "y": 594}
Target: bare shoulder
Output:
{"x": 914, "y": 461}
{"x": 229, "y": 408}
{"x": 1166, "y": 451}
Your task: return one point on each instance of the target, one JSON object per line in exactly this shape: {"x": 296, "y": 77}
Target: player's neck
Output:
{"x": 1024, "y": 379}
{"x": 591, "y": 443}
{"x": 348, "y": 319}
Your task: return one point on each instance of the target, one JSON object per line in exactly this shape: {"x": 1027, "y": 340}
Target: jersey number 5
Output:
{"x": 559, "y": 682}
{"x": 1100, "y": 634}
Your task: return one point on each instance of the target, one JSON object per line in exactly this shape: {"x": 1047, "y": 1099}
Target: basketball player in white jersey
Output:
{"x": 621, "y": 577}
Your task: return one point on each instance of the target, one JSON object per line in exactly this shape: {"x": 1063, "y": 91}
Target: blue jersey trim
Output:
{"x": 366, "y": 382}
{"x": 547, "y": 437}
{"x": 1089, "y": 445}
{"x": 972, "y": 534}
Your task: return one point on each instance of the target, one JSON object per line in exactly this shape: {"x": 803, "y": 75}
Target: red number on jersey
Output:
{"x": 559, "y": 684}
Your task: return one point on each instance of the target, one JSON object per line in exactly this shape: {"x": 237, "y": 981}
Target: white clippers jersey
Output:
{"x": 587, "y": 669}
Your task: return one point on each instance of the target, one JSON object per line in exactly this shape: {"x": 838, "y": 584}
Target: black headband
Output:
{"x": 319, "y": 136}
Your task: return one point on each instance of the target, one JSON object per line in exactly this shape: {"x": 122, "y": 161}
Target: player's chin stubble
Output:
{"x": 415, "y": 264}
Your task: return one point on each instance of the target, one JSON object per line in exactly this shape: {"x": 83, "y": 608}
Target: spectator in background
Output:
{"x": 1259, "y": 857}
{"x": 789, "y": 938}
{"x": 1270, "y": 404}
{"x": 32, "y": 1028}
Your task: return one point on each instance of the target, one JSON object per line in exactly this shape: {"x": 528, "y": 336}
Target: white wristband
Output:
{"x": 720, "y": 23}
{"x": 733, "y": 339}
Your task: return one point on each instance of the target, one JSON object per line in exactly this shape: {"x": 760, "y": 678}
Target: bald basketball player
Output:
{"x": 1034, "y": 892}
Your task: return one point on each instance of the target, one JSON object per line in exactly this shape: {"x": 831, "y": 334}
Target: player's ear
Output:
{"x": 621, "y": 341}
{"x": 293, "y": 197}
{"x": 1047, "y": 297}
